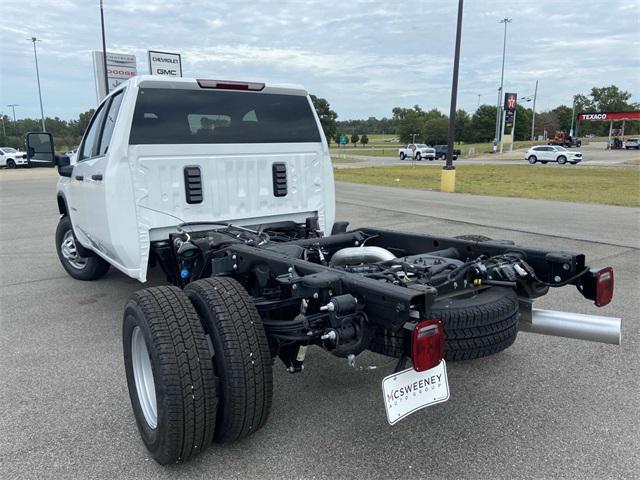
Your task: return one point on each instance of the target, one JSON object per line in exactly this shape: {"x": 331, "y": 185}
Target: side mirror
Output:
{"x": 63, "y": 161}
{"x": 40, "y": 149}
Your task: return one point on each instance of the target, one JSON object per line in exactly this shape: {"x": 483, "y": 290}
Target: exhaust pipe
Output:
{"x": 571, "y": 325}
{"x": 357, "y": 255}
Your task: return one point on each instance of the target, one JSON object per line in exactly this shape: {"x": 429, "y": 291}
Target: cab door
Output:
{"x": 92, "y": 167}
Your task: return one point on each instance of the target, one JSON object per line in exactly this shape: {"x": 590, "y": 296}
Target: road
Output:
{"x": 546, "y": 407}
{"x": 595, "y": 155}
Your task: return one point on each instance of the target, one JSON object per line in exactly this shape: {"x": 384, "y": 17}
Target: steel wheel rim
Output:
{"x": 70, "y": 251}
{"x": 143, "y": 376}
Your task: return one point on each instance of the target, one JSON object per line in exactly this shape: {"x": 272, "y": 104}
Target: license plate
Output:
{"x": 408, "y": 391}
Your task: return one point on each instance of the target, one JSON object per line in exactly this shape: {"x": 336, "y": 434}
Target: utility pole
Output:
{"x": 35, "y": 55}
{"x": 500, "y": 90}
{"x": 479, "y": 95}
{"x": 573, "y": 114}
{"x": 413, "y": 137}
{"x": 4, "y": 131}
{"x": 448, "y": 179}
{"x": 104, "y": 52}
{"x": 533, "y": 118}
{"x": 15, "y": 124}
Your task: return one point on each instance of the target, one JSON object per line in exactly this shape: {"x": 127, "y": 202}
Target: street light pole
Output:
{"x": 533, "y": 118}
{"x": 448, "y": 179}
{"x": 573, "y": 115}
{"x": 15, "y": 124}
{"x": 479, "y": 95}
{"x": 500, "y": 90}
{"x": 35, "y": 55}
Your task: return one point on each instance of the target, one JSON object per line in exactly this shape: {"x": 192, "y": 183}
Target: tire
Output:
{"x": 562, "y": 160}
{"x": 544, "y": 162}
{"x": 573, "y": 163}
{"x": 402, "y": 156}
{"x": 417, "y": 157}
{"x": 242, "y": 359}
{"x": 80, "y": 268}
{"x": 532, "y": 159}
{"x": 11, "y": 163}
{"x": 431, "y": 159}
{"x": 167, "y": 362}
{"x": 474, "y": 327}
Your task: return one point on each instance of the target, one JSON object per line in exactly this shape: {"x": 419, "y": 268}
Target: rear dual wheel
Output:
{"x": 198, "y": 367}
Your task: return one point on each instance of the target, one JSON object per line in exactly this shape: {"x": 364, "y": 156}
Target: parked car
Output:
{"x": 240, "y": 219}
{"x": 12, "y": 158}
{"x": 417, "y": 151}
{"x": 441, "y": 152}
{"x": 632, "y": 143}
{"x": 550, "y": 153}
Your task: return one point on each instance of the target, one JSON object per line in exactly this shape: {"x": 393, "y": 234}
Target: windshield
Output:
{"x": 422, "y": 145}
{"x": 9, "y": 150}
{"x": 169, "y": 116}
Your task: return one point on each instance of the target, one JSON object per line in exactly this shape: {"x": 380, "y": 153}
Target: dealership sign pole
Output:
{"x": 104, "y": 52}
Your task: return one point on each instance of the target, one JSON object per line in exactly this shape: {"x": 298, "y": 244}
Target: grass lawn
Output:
{"x": 610, "y": 186}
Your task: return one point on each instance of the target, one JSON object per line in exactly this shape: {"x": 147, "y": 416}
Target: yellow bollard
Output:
{"x": 448, "y": 181}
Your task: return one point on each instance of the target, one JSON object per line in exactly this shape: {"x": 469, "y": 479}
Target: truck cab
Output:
{"x": 162, "y": 151}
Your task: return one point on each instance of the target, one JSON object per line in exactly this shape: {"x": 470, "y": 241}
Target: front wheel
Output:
{"x": 418, "y": 157}
{"x": 79, "y": 267}
{"x": 562, "y": 160}
{"x": 402, "y": 156}
{"x": 11, "y": 163}
{"x": 532, "y": 159}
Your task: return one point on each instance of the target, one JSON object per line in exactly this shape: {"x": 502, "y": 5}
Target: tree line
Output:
{"x": 429, "y": 126}
{"x": 432, "y": 126}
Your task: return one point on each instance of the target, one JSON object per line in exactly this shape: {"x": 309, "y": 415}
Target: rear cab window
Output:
{"x": 174, "y": 116}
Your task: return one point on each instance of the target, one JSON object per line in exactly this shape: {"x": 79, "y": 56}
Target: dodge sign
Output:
{"x": 164, "y": 63}
{"x": 120, "y": 67}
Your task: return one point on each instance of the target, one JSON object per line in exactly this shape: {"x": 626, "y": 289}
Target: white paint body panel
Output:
{"x": 142, "y": 195}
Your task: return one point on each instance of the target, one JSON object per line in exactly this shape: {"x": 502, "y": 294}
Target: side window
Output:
{"x": 110, "y": 122}
{"x": 88, "y": 144}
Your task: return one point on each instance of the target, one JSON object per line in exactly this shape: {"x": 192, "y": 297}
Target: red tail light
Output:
{"x": 427, "y": 345}
{"x": 604, "y": 286}
{"x": 227, "y": 85}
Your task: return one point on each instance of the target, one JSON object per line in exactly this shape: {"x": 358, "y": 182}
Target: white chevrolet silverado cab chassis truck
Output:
{"x": 228, "y": 188}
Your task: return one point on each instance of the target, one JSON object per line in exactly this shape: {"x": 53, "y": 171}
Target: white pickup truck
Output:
{"x": 12, "y": 158}
{"x": 417, "y": 151}
{"x": 227, "y": 187}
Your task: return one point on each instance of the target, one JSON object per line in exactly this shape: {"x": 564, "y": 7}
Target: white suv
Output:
{"x": 551, "y": 153}
{"x": 632, "y": 143}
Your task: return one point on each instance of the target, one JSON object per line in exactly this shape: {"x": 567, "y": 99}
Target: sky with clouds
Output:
{"x": 364, "y": 56}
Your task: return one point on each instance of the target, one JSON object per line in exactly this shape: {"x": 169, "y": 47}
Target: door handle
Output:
{"x": 97, "y": 177}
{"x": 79, "y": 177}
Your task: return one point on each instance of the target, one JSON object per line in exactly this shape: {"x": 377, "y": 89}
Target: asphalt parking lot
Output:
{"x": 546, "y": 407}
